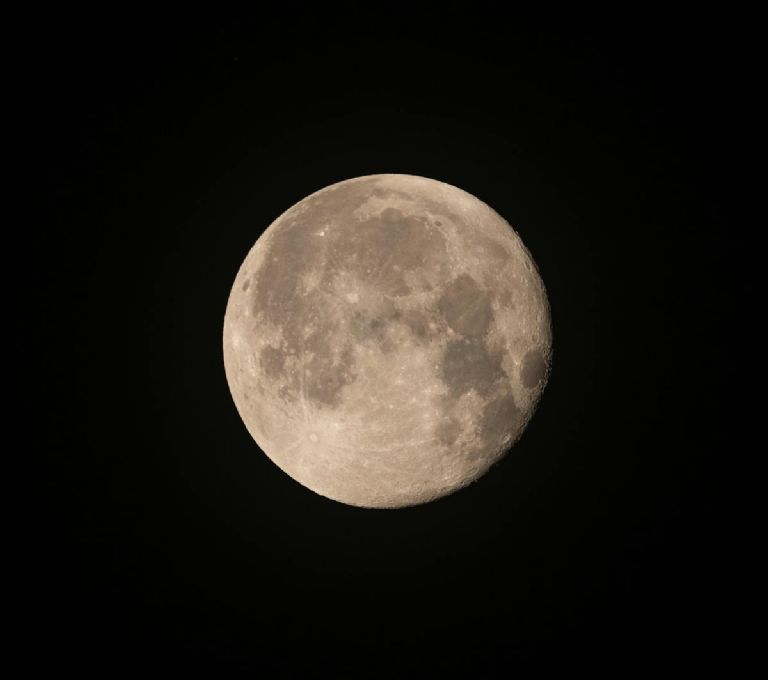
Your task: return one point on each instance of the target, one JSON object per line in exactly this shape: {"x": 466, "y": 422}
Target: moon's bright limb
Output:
{"x": 387, "y": 339}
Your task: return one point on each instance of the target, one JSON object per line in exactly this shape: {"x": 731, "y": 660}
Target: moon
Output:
{"x": 387, "y": 340}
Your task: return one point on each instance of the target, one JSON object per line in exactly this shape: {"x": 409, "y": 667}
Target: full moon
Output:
{"x": 386, "y": 340}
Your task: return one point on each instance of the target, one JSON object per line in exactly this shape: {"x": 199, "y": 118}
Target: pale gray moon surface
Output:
{"x": 387, "y": 340}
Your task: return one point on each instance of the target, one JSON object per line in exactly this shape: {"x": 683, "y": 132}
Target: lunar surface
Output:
{"x": 386, "y": 340}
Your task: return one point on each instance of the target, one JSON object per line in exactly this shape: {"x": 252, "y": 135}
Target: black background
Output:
{"x": 171, "y": 543}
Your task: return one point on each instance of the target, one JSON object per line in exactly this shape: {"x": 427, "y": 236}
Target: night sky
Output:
{"x": 171, "y": 543}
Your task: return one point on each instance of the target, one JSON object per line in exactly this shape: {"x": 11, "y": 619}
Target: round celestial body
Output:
{"x": 387, "y": 340}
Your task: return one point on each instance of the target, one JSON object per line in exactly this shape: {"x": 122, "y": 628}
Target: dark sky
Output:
{"x": 170, "y": 541}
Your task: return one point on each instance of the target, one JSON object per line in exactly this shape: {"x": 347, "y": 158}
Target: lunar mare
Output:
{"x": 387, "y": 340}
